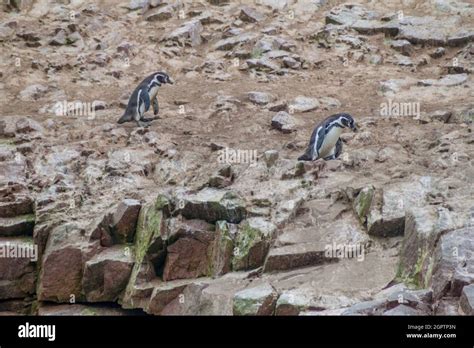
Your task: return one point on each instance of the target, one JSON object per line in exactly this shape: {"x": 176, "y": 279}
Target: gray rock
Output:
{"x": 376, "y": 59}
{"x": 467, "y": 300}
{"x": 248, "y": 14}
{"x": 189, "y": 32}
{"x": 262, "y": 64}
{"x": 438, "y": 52}
{"x": 374, "y": 307}
{"x": 33, "y": 92}
{"x": 446, "y": 81}
{"x": 402, "y": 310}
{"x": 258, "y": 300}
{"x": 160, "y": 13}
{"x": 386, "y": 215}
{"x": 291, "y": 63}
{"x": 260, "y": 98}
{"x": 439, "y": 115}
{"x": 452, "y": 256}
{"x": 212, "y": 205}
{"x": 402, "y": 46}
{"x": 284, "y": 122}
{"x": 137, "y": 4}
{"x": 270, "y": 157}
{"x": 231, "y": 42}
{"x": 59, "y": 39}
{"x": 304, "y": 104}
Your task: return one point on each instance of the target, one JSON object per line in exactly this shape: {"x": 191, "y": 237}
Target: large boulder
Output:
{"x": 107, "y": 274}
{"x": 18, "y": 259}
{"x": 62, "y": 264}
{"x": 189, "y": 253}
{"x": 452, "y": 265}
{"x": 423, "y": 228}
{"x": 467, "y": 300}
{"x": 252, "y": 243}
{"x": 256, "y": 300}
{"x": 383, "y": 209}
{"x": 149, "y": 251}
{"x": 212, "y": 205}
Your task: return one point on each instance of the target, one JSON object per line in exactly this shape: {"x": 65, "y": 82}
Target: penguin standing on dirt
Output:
{"x": 142, "y": 96}
{"x": 325, "y": 142}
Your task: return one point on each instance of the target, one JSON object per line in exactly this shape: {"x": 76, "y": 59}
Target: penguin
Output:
{"x": 325, "y": 142}
{"x": 139, "y": 101}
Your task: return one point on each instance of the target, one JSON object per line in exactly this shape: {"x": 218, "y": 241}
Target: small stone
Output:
{"x": 291, "y": 63}
{"x": 438, "y": 53}
{"x": 260, "y": 98}
{"x": 402, "y": 46}
{"x": 376, "y": 59}
{"x": 303, "y": 104}
{"x": 270, "y": 157}
{"x": 284, "y": 122}
{"x": 160, "y": 13}
{"x": 248, "y": 14}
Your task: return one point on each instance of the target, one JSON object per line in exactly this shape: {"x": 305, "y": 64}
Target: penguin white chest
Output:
{"x": 329, "y": 141}
{"x": 152, "y": 92}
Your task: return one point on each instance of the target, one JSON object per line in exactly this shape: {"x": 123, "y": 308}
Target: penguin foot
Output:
{"x": 149, "y": 119}
{"x": 143, "y": 124}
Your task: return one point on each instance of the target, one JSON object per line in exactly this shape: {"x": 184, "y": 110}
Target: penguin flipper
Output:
{"x": 145, "y": 97}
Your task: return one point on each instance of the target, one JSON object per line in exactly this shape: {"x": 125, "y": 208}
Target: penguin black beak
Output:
{"x": 355, "y": 129}
{"x": 170, "y": 81}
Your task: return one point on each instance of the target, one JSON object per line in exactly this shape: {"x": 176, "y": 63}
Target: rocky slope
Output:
{"x": 208, "y": 211}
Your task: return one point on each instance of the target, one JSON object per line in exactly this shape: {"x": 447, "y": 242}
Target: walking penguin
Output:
{"x": 142, "y": 96}
{"x": 325, "y": 142}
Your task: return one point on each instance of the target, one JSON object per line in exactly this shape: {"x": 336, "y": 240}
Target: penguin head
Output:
{"x": 348, "y": 122}
{"x": 164, "y": 78}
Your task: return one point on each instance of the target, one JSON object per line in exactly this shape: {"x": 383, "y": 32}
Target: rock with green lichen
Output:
{"x": 252, "y": 243}
{"x": 149, "y": 247}
{"x": 362, "y": 203}
{"x": 212, "y": 205}
{"x": 423, "y": 228}
{"x": 223, "y": 247}
{"x": 258, "y": 300}
{"x": 386, "y": 215}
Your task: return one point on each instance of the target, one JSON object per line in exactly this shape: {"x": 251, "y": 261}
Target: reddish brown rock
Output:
{"x": 63, "y": 261}
{"x": 190, "y": 255}
{"x": 107, "y": 274}
{"x": 17, "y": 274}
{"x": 124, "y": 221}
